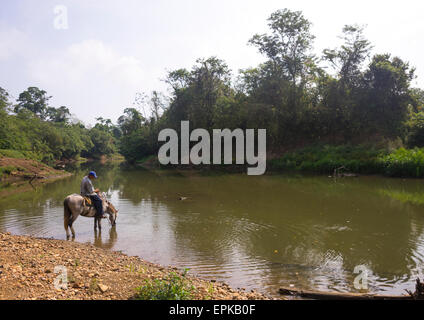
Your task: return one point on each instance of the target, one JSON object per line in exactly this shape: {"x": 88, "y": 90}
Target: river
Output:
{"x": 253, "y": 232}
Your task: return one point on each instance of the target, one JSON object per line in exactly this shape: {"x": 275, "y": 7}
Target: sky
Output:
{"x": 111, "y": 49}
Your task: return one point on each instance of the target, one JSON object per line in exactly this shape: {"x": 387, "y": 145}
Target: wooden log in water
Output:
{"x": 339, "y": 295}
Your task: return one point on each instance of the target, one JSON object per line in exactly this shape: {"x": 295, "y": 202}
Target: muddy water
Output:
{"x": 251, "y": 232}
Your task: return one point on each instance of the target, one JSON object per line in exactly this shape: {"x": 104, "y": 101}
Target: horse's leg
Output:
{"x": 67, "y": 217}
{"x": 71, "y": 222}
{"x": 95, "y": 223}
{"x": 99, "y": 221}
{"x": 66, "y": 225}
{"x": 67, "y": 231}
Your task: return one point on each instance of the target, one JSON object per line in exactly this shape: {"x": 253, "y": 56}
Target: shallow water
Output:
{"x": 251, "y": 232}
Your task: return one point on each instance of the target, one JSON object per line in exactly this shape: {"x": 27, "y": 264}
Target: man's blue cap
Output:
{"x": 92, "y": 173}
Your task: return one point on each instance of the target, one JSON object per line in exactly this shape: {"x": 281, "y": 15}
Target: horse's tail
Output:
{"x": 67, "y": 214}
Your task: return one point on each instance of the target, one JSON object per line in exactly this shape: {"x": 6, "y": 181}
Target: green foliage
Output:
{"x": 326, "y": 159}
{"x": 4, "y": 101}
{"x": 6, "y": 170}
{"x": 18, "y": 154}
{"x": 404, "y": 163}
{"x": 61, "y": 114}
{"x": 292, "y": 96}
{"x": 358, "y": 159}
{"x": 173, "y": 287}
{"x": 44, "y": 133}
{"x": 415, "y": 130}
{"x": 34, "y": 100}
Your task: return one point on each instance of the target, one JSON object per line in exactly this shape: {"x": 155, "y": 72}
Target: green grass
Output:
{"x": 173, "y": 287}
{"x": 415, "y": 198}
{"x": 7, "y": 170}
{"x": 404, "y": 163}
{"x": 19, "y": 154}
{"x": 357, "y": 159}
{"x": 325, "y": 159}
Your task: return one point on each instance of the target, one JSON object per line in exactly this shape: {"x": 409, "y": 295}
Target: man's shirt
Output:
{"x": 87, "y": 188}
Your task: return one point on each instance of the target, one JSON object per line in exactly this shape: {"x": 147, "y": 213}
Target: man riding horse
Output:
{"x": 87, "y": 190}
{"x": 75, "y": 205}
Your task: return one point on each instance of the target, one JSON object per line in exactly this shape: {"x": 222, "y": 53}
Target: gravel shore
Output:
{"x": 30, "y": 267}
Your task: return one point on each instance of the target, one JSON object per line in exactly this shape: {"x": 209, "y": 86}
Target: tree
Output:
{"x": 34, "y": 100}
{"x": 130, "y": 121}
{"x": 178, "y": 79}
{"x": 104, "y": 124}
{"x": 103, "y": 143}
{"x": 348, "y": 59}
{"x": 281, "y": 82}
{"x": 288, "y": 46}
{"x": 60, "y": 115}
{"x": 4, "y": 101}
{"x": 388, "y": 94}
{"x": 157, "y": 103}
{"x": 196, "y": 92}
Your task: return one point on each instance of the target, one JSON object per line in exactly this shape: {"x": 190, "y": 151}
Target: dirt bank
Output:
{"x": 27, "y": 272}
{"x": 20, "y": 175}
{"x": 18, "y": 169}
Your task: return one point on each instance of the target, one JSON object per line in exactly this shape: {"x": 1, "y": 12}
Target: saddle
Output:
{"x": 87, "y": 202}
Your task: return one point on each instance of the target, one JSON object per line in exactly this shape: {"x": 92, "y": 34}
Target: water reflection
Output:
{"x": 253, "y": 232}
{"x": 111, "y": 240}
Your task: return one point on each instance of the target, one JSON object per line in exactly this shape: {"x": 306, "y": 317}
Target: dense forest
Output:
{"x": 356, "y": 109}
{"x": 343, "y": 108}
{"x": 32, "y": 129}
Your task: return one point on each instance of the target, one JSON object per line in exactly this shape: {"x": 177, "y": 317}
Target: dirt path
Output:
{"x": 29, "y": 267}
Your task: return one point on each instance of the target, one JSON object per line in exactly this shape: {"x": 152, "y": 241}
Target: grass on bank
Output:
{"x": 19, "y": 154}
{"x": 7, "y": 170}
{"x": 173, "y": 287}
{"x": 358, "y": 159}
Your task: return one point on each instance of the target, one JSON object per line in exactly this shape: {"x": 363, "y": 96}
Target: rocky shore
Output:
{"x": 34, "y": 269}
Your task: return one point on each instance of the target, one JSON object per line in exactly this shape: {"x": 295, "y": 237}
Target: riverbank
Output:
{"x": 361, "y": 159}
{"x": 28, "y": 269}
{"x": 14, "y": 169}
{"x": 20, "y": 175}
{"x": 342, "y": 160}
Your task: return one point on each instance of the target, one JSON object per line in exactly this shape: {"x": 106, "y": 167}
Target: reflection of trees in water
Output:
{"x": 111, "y": 241}
{"x": 304, "y": 221}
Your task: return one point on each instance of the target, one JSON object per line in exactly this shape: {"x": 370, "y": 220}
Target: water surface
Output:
{"x": 251, "y": 232}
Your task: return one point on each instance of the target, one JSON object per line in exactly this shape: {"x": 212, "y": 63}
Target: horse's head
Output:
{"x": 109, "y": 209}
{"x": 113, "y": 213}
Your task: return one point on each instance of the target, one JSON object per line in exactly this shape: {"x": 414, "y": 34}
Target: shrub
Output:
{"x": 404, "y": 163}
{"x": 173, "y": 287}
{"x": 325, "y": 159}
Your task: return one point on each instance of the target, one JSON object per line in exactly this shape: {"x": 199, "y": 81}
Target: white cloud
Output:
{"x": 90, "y": 77}
{"x": 12, "y": 43}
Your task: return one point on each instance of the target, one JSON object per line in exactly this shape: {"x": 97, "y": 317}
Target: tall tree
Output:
{"x": 34, "y": 100}
{"x": 196, "y": 92}
{"x": 4, "y": 101}
{"x": 289, "y": 44}
{"x": 349, "y": 58}
{"x": 388, "y": 81}
{"x": 130, "y": 121}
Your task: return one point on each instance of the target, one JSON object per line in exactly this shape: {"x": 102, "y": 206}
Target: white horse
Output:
{"x": 74, "y": 207}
